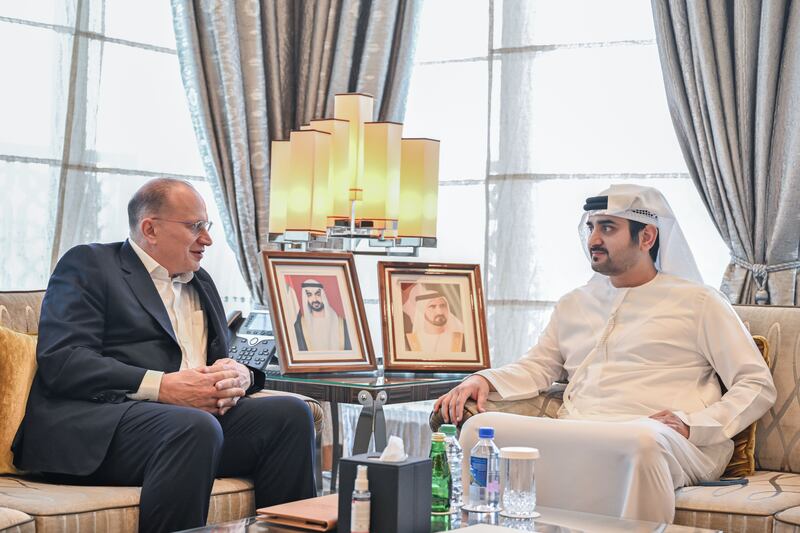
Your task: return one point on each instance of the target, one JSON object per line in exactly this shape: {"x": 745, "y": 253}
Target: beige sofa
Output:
{"x": 771, "y": 500}
{"x": 30, "y": 504}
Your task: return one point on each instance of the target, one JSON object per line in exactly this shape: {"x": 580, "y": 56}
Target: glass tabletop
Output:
{"x": 377, "y": 379}
{"x": 551, "y": 521}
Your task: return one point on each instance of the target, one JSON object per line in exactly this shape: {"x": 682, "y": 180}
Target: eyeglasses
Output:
{"x": 194, "y": 227}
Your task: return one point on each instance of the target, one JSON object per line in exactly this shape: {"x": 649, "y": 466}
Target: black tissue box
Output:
{"x": 400, "y": 499}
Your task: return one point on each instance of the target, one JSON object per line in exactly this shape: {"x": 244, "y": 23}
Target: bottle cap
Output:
{"x": 519, "y": 452}
{"x": 486, "y": 433}
{"x": 437, "y": 437}
{"x": 362, "y": 483}
{"x": 448, "y": 429}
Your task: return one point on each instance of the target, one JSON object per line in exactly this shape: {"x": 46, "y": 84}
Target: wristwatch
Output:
{"x": 252, "y": 378}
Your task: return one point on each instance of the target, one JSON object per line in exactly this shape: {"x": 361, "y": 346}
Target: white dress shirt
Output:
{"x": 186, "y": 316}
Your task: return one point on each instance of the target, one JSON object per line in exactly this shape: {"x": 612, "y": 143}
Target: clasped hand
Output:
{"x": 214, "y": 389}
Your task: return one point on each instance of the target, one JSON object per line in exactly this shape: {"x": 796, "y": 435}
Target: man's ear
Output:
{"x": 647, "y": 237}
{"x": 148, "y": 230}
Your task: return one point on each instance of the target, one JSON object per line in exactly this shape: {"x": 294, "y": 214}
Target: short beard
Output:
{"x": 438, "y": 320}
{"x": 609, "y": 267}
{"x": 316, "y": 310}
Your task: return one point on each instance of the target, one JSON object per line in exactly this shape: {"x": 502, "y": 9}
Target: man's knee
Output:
{"x": 198, "y": 427}
{"x": 297, "y": 414}
{"x": 645, "y": 440}
{"x": 288, "y": 413}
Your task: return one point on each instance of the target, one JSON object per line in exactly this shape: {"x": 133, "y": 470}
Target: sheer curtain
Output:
{"x": 92, "y": 107}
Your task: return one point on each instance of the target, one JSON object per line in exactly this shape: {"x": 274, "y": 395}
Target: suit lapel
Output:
{"x": 143, "y": 288}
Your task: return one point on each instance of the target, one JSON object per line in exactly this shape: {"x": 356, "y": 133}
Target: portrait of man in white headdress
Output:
{"x": 317, "y": 326}
{"x": 434, "y": 327}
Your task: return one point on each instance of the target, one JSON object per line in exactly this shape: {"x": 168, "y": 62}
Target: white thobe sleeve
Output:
{"x": 534, "y": 372}
{"x": 729, "y": 347}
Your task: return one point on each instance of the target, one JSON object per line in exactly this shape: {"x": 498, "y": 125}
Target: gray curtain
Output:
{"x": 254, "y": 70}
{"x": 732, "y": 76}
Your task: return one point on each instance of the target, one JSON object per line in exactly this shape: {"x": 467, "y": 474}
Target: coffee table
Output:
{"x": 552, "y": 521}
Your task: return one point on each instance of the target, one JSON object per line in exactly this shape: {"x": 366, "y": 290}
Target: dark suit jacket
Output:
{"x": 102, "y": 326}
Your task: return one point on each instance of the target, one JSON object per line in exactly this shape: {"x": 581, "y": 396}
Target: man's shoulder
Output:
{"x": 95, "y": 251}
{"x": 687, "y": 287}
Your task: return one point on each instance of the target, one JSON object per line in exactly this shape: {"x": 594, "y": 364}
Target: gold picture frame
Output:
{"x": 433, "y": 317}
{"x": 317, "y": 312}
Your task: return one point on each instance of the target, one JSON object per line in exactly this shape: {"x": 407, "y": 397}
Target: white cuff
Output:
{"x": 149, "y": 387}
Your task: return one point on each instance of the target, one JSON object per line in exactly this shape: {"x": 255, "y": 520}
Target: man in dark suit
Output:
{"x": 134, "y": 386}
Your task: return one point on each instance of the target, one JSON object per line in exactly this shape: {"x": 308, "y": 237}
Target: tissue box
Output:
{"x": 400, "y": 494}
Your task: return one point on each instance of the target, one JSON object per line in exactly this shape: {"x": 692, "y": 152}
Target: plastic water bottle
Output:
{"x": 455, "y": 456}
{"x": 484, "y": 469}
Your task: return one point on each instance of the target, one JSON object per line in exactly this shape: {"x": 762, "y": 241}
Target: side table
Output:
{"x": 371, "y": 390}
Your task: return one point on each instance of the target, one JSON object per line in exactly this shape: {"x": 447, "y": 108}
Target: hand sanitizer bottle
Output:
{"x": 359, "y": 510}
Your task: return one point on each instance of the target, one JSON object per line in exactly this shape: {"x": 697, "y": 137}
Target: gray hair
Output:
{"x": 150, "y": 199}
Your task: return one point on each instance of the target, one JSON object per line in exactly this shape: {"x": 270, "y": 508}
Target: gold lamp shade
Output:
{"x": 351, "y": 178}
{"x": 356, "y": 109}
{"x": 341, "y": 171}
{"x": 279, "y": 177}
{"x": 419, "y": 187}
{"x": 310, "y": 167}
{"x": 381, "y": 197}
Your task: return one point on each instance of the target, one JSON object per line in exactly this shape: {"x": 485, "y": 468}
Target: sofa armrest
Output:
{"x": 546, "y": 404}
{"x": 314, "y": 405}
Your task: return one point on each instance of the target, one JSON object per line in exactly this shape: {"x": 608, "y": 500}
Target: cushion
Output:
{"x": 19, "y": 310}
{"x": 84, "y": 508}
{"x": 17, "y": 519}
{"x": 778, "y": 436}
{"x": 17, "y": 367}
{"x": 743, "y": 460}
{"x": 790, "y": 516}
{"x": 766, "y": 494}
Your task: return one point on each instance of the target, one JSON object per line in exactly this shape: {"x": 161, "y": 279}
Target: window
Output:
{"x": 563, "y": 98}
{"x": 96, "y": 108}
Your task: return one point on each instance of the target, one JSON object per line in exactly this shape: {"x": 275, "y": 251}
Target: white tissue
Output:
{"x": 395, "y": 451}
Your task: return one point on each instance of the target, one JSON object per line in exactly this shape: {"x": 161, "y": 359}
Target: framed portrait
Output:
{"x": 433, "y": 317}
{"x": 318, "y": 314}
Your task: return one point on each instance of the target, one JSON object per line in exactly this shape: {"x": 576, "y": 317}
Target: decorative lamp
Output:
{"x": 381, "y": 197}
{"x": 341, "y": 173}
{"x": 419, "y": 188}
{"x": 279, "y": 185}
{"x": 341, "y": 181}
{"x": 356, "y": 109}
{"x": 308, "y": 201}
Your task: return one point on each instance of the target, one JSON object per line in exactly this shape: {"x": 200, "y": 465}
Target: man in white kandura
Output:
{"x": 641, "y": 344}
{"x": 318, "y": 327}
{"x": 434, "y": 328}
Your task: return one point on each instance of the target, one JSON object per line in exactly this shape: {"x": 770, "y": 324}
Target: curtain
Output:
{"x": 732, "y": 77}
{"x": 255, "y": 70}
{"x": 78, "y": 189}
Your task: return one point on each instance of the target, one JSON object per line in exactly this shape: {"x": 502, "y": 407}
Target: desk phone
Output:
{"x": 254, "y": 342}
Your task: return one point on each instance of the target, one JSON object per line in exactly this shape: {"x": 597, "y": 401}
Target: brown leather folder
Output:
{"x": 313, "y": 514}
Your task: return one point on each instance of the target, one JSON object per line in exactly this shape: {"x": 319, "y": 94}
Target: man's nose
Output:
{"x": 595, "y": 238}
{"x": 204, "y": 238}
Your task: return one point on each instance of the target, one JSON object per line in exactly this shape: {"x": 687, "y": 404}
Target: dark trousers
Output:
{"x": 175, "y": 453}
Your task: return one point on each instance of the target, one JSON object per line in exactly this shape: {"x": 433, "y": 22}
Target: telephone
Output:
{"x": 253, "y": 343}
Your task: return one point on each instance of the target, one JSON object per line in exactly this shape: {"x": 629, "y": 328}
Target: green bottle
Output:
{"x": 440, "y": 480}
